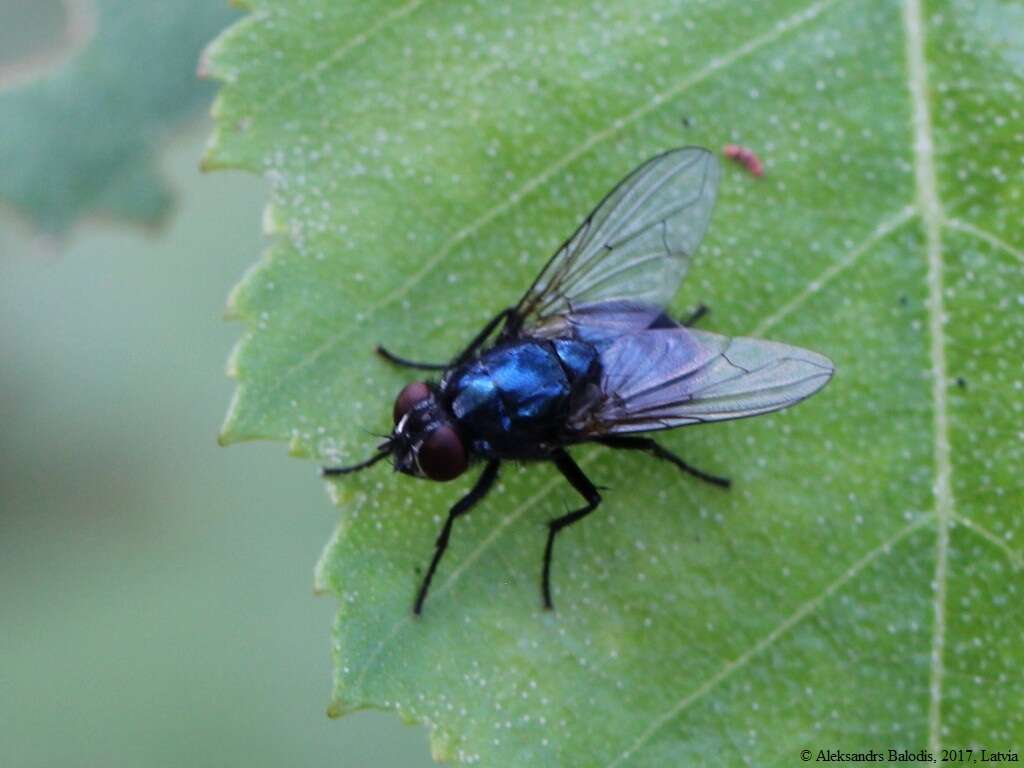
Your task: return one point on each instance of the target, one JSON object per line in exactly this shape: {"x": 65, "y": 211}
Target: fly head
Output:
{"x": 424, "y": 442}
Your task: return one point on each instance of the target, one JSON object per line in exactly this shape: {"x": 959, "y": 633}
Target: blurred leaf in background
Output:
{"x": 82, "y": 139}
{"x": 36, "y": 34}
{"x": 155, "y": 591}
{"x": 859, "y": 585}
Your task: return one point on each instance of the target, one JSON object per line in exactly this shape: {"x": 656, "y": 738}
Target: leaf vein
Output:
{"x": 471, "y": 558}
{"x": 885, "y": 228}
{"x": 339, "y": 53}
{"x": 982, "y": 234}
{"x": 1016, "y": 558}
{"x": 802, "y": 612}
{"x": 933, "y": 218}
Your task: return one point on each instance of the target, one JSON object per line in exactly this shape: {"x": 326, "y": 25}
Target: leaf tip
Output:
{"x": 273, "y": 222}
{"x": 212, "y": 159}
{"x": 208, "y": 162}
{"x": 203, "y": 65}
{"x": 228, "y": 434}
{"x": 337, "y": 709}
{"x": 322, "y": 583}
{"x": 297, "y": 447}
{"x": 441, "y": 747}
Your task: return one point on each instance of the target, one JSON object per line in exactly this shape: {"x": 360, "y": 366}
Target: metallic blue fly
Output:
{"x": 589, "y": 355}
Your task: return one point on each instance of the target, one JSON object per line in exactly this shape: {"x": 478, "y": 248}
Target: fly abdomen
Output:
{"x": 579, "y": 360}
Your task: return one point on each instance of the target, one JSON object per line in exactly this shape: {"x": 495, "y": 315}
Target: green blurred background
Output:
{"x": 156, "y": 602}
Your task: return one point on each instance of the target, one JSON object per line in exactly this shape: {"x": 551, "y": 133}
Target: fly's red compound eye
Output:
{"x": 442, "y": 456}
{"x": 410, "y": 396}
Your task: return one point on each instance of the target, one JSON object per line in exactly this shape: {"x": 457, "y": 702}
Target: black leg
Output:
{"x": 697, "y": 314}
{"x": 481, "y": 337}
{"x": 393, "y": 358}
{"x": 463, "y": 356}
{"x": 462, "y": 506}
{"x": 571, "y": 471}
{"x": 665, "y": 320}
{"x": 647, "y": 444}
{"x": 330, "y": 471}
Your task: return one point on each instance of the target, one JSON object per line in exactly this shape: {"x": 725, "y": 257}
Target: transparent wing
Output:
{"x": 669, "y": 377}
{"x": 629, "y": 256}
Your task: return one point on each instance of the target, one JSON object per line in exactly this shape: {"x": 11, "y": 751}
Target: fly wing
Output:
{"x": 670, "y": 377}
{"x": 629, "y": 255}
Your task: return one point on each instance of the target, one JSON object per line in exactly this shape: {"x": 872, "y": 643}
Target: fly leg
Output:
{"x": 571, "y": 471}
{"x": 697, "y": 314}
{"x": 465, "y": 355}
{"x": 665, "y": 320}
{"x": 462, "y": 506}
{"x": 481, "y": 337}
{"x": 647, "y": 444}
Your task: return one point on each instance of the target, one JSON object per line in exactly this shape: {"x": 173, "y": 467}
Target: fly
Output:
{"x": 589, "y": 355}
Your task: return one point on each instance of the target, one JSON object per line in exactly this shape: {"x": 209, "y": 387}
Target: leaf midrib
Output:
{"x": 930, "y": 207}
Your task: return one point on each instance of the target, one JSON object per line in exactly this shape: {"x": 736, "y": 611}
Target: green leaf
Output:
{"x": 83, "y": 140}
{"x": 859, "y": 587}
{"x": 37, "y": 33}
